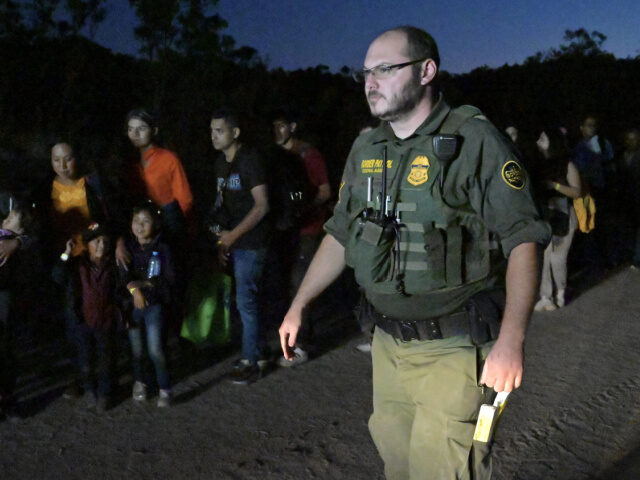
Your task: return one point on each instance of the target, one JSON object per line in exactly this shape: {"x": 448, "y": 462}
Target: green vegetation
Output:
{"x": 57, "y": 84}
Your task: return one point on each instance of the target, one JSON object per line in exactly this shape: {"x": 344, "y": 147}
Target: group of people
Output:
{"x": 436, "y": 215}
{"x": 120, "y": 259}
{"x": 564, "y": 176}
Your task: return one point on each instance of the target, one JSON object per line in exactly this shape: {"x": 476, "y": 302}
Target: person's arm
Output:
{"x": 317, "y": 175}
{"x": 7, "y": 248}
{"x": 326, "y": 266}
{"x": 323, "y": 194}
{"x": 260, "y": 208}
{"x": 503, "y": 368}
{"x": 573, "y": 189}
{"x": 135, "y": 289}
{"x": 181, "y": 189}
{"x": 123, "y": 257}
{"x": 60, "y": 270}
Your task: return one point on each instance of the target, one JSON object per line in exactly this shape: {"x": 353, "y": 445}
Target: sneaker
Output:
{"x": 263, "y": 363}
{"x": 364, "y": 347}
{"x": 139, "y": 392}
{"x": 164, "y": 398}
{"x": 244, "y": 372}
{"x": 72, "y": 392}
{"x": 240, "y": 364}
{"x": 266, "y": 358}
{"x": 300, "y": 356}
{"x": 560, "y": 301}
{"x": 545, "y": 305}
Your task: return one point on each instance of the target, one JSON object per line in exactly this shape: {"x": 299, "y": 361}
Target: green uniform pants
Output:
{"x": 425, "y": 405}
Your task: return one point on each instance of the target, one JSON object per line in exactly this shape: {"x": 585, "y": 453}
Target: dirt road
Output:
{"x": 577, "y": 415}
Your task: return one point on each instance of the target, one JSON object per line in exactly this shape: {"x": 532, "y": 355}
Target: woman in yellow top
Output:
{"x": 70, "y": 211}
{"x": 69, "y": 202}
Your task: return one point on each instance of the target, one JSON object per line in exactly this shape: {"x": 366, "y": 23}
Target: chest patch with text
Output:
{"x": 374, "y": 165}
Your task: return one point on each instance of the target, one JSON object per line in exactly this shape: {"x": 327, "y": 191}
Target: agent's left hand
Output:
{"x": 503, "y": 367}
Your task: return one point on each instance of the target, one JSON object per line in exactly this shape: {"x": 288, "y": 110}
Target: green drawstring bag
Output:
{"x": 208, "y": 317}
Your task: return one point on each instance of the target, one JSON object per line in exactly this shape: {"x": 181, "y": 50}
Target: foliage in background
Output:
{"x": 56, "y": 84}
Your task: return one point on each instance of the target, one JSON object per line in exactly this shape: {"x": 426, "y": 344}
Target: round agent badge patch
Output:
{"x": 419, "y": 173}
{"x": 513, "y": 175}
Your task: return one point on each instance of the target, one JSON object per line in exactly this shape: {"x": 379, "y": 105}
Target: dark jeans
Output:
{"x": 149, "y": 318}
{"x": 95, "y": 346}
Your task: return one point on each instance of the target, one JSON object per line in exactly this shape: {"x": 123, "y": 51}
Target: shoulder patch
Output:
{"x": 513, "y": 175}
{"x": 419, "y": 172}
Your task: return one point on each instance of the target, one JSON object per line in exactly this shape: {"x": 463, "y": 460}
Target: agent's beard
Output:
{"x": 400, "y": 103}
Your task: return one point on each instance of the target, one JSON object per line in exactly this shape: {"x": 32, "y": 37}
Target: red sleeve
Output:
{"x": 315, "y": 166}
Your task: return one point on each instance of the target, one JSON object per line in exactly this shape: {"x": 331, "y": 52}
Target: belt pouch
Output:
{"x": 485, "y": 315}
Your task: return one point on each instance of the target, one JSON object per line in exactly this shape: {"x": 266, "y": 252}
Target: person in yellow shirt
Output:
{"x": 68, "y": 202}
{"x": 69, "y": 207}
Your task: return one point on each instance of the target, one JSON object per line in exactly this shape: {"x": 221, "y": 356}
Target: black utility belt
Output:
{"x": 436, "y": 328}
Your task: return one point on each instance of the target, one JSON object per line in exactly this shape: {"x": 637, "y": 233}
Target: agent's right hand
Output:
{"x": 289, "y": 331}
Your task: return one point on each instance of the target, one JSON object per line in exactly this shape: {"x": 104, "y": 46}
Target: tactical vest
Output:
{"x": 432, "y": 245}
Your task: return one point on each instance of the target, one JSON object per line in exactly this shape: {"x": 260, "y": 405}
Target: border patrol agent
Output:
{"x": 433, "y": 206}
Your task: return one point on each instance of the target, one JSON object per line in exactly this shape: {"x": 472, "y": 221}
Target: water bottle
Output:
{"x": 153, "y": 269}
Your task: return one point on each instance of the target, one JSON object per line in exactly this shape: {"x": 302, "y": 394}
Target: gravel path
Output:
{"x": 577, "y": 415}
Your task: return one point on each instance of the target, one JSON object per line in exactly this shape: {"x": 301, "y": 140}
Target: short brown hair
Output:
{"x": 419, "y": 44}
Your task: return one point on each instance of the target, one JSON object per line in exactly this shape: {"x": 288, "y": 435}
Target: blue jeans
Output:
{"x": 151, "y": 318}
{"x": 247, "y": 270}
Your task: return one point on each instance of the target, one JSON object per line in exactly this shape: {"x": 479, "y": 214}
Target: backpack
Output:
{"x": 290, "y": 192}
{"x": 585, "y": 208}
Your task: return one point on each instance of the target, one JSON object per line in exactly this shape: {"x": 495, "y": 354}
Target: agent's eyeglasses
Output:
{"x": 381, "y": 71}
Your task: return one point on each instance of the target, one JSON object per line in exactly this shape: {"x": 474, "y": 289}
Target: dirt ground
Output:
{"x": 577, "y": 415}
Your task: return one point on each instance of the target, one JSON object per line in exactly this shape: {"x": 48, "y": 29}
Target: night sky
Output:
{"x": 304, "y": 33}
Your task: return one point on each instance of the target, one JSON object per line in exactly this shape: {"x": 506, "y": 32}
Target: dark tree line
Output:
{"x": 57, "y": 84}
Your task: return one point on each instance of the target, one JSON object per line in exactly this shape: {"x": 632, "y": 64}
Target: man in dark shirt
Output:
{"x": 242, "y": 193}
{"x": 593, "y": 155}
{"x": 308, "y": 236}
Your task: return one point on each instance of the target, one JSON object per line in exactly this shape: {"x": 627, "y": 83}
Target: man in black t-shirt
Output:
{"x": 242, "y": 189}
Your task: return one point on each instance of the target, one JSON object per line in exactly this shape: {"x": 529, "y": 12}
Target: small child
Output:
{"x": 14, "y": 229}
{"x": 90, "y": 281}
{"x": 15, "y": 242}
{"x": 150, "y": 279}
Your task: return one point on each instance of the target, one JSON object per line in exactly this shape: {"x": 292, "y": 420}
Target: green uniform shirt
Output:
{"x": 485, "y": 179}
